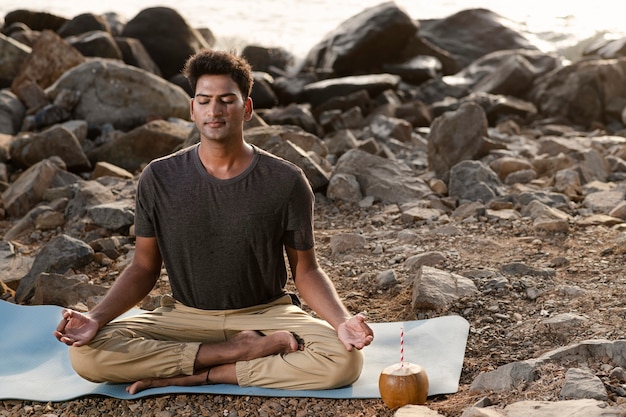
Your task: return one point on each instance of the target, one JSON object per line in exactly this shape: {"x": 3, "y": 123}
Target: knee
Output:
{"x": 345, "y": 370}
{"x": 83, "y": 362}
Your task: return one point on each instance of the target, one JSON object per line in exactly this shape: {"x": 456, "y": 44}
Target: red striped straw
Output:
{"x": 401, "y": 346}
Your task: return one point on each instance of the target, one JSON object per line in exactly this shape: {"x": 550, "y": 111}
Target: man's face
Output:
{"x": 218, "y": 108}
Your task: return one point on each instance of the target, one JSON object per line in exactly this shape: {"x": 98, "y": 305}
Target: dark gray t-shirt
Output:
{"x": 222, "y": 240}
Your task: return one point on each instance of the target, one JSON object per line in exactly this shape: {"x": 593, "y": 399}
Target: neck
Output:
{"x": 225, "y": 161}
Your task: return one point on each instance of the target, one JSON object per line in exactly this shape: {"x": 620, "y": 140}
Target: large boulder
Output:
{"x": 12, "y": 112}
{"x": 96, "y": 43}
{"x": 58, "y": 256}
{"x": 13, "y": 55}
{"x": 470, "y": 34}
{"x": 121, "y": 95}
{"x": 507, "y": 72}
{"x": 167, "y": 37}
{"x": 458, "y": 136}
{"x": 28, "y": 190}
{"x": 35, "y": 20}
{"x": 135, "y": 54}
{"x": 30, "y": 148}
{"x": 383, "y": 179}
{"x": 50, "y": 58}
{"x": 319, "y": 92}
{"x": 142, "y": 144}
{"x": 364, "y": 42}
{"x": 586, "y": 93}
{"x": 83, "y": 23}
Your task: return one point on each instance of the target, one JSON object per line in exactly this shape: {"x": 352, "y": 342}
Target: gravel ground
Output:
{"x": 506, "y": 324}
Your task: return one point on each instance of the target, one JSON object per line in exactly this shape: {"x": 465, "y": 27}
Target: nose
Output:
{"x": 215, "y": 108}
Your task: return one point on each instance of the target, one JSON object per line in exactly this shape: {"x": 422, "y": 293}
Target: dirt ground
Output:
{"x": 505, "y": 319}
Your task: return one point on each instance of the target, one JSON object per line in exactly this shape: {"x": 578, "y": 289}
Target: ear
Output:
{"x": 191, "y": 109}
{"x": 248, "y": 109}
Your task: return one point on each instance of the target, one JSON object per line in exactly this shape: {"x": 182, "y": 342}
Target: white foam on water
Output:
{"x": 298, "y": 25}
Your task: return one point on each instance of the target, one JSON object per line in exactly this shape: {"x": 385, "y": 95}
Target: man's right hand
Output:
{"x": 76, "y": 329}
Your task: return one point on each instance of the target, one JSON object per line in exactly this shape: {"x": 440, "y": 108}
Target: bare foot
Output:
{"x": 182, "y": 380}
{"x": 246, "y": 345}
{"x": 253, "y": 345}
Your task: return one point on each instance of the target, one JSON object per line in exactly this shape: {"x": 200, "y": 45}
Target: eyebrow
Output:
{"x": 218, "y": 95}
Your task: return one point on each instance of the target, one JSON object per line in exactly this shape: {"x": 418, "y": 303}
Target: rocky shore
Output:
{"x": 457, "y": 169}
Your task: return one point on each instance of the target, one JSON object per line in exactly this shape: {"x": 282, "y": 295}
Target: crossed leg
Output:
{"x": 215, "y": 362}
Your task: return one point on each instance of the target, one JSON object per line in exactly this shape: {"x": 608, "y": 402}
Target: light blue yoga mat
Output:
{"x": 35, "y": 366}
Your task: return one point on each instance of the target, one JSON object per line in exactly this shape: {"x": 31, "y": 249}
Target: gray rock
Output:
{"x": 508, "y": 376}
{"x": 57, "y": 289}
{"x": 434, "y": 289}
{"x": 457, "y": 136}
{"x": 415, "y": 262}
{"x": 385, "y": 128}
{"x": 506, "y": 72}
{"x": 520, "y": 269}
{"x": 106, "y": 169}
{"x": 579, "y": 92}
{"x": 13, "y": 263}
{"x": 361, "y": 43}
{"x": 387, "y": 279}
{"x": 169, "y": 45}
{"x": 13, "y": 55}
{"x": 58, "y": 256}
{"x": 603, "y": 201}
{"x": 266, "y": 137}
{"x": 411, "y": 410}
{"x": 28, "y": 190}
{"x": 49, "y": 59}
{"x": 113, "y": 216}
{"x": 29, "y": 149}
{"x": 262, "y": 94}
{"x": 383, "y": 179}
{"x": 83, "y": 23}
{"x": 34, "y": 218}
{"x": 97, "y": 43}
{"x": 572, "y": 408}
{"x": 86, "y": 194}
{"x": 416, "y": 69}
{"x": 135, "y": 54}
{"x": 473, "y": 33}
{"x": 582, "y": 384}
{"x": 296, "y": 115}
{"x": 474, "y": 181}
{"x": 144, "y": 143}
{"x": 317, "y": 176}
{"x": 320, "y": 92}
{"x": 12, "y": 112}
{"x": 36, "y": 20}
{"x": 506, "y": 165}
{"x": 346, "y": 242}
{"x": 121, "y": 95}
{"x": 567, "y": 181}
{"x": 344, "y": 187}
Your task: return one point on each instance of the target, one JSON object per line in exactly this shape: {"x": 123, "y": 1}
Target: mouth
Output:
{"x": 214, "y": 123}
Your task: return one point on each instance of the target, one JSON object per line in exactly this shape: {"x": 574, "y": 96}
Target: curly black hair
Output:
{"x": 213, "y": 62}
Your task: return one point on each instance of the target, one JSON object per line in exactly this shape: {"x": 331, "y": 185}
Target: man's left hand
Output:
{"x": 355, "y": 333}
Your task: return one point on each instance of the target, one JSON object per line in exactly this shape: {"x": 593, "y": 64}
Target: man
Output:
{"x": 220, "y": 216}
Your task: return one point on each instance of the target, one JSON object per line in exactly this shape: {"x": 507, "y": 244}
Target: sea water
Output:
{"x": 297, "y": 25}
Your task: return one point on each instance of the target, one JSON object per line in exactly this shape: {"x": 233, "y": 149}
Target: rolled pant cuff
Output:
{"x": 188, "y": 358}
{"x": 242, "y": 371}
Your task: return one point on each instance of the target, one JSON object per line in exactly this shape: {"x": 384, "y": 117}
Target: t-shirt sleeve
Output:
{"x": 299, "y": 233}
{"x": 144, "y": 225}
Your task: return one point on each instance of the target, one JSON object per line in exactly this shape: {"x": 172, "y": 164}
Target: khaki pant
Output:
{"x": 164, "y": 343}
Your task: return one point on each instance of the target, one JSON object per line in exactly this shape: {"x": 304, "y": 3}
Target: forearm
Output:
{"x": 129, "y": 289}
{"x": 320, "y": 295}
